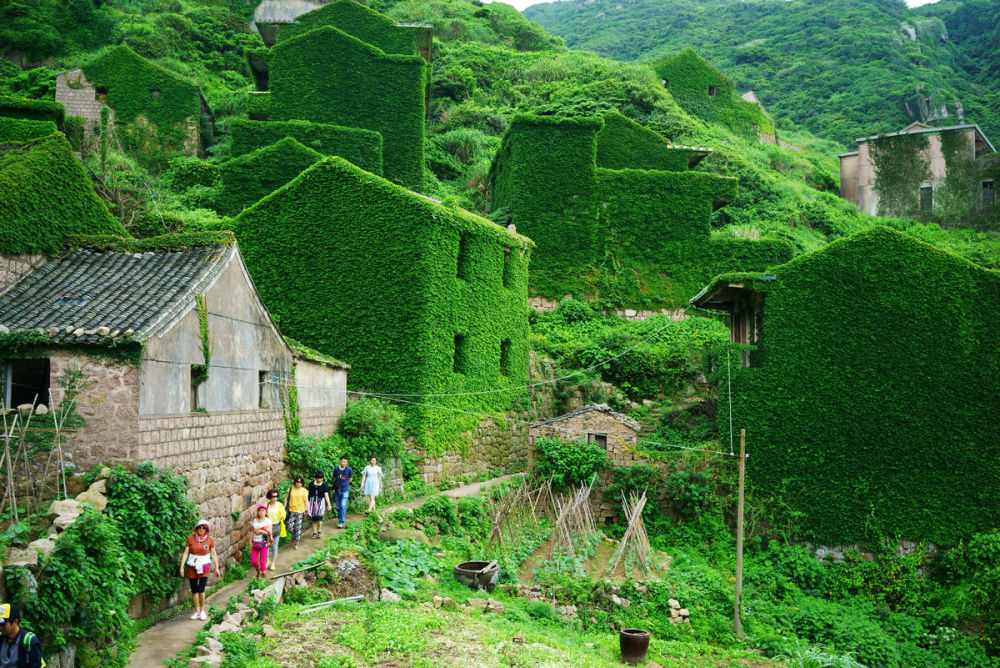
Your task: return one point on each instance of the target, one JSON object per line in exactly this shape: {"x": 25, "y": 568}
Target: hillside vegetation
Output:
{"x": 842, "y": 70}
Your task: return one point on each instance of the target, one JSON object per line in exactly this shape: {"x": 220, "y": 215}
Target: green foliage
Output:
{"x": 866, "y": 450}
{"x": 248, "y": 178}
{"x": 401, "y": 563}
{"x": 438, "y": 511}
{"x": 887, "y": 579}
{"x": 689, "y": 492}
{"x": 345, "y": 214}
{"x": 185, "y": 172}
{"x": 23, "y": 108}
{"x": 23, "y": 129}
{"x": 985, "y": 599}
{"x": 636, "y": 479}
{"x": 624, "y": 144}
{"x": 163, "y": 243}
{"x": 354, "y": 96}
{"x": 473, "y": 519}
{"x": 566, "y": 462}
{"x": 154, "y": 516}
{"x": 137, "y": 89}
{"x": 361, "y": 147}
{"x": 901, "y": 164}
{"x": 38, "y": 214}
{"x": 355, "y": 19}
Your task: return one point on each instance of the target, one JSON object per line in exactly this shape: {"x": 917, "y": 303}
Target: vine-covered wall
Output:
{"x": 137, "y": 88}
{"x": 24, "y": 129}
{"x": 325, "y": 75}
{"x": 358, "y": 20}
{"x": 624, "y": 144}
{"x": 874, "y": 413}
{"x": 37, "y": 214}
{"x": 628, "y": 236}
{"x": 33, "y": 110}
{"x": 416, "y": 296}
{"x": 689, "y": 78}
{"x": 361, "y": 147}
{"x": 246, "y": 179}
{"x": 901, "y": 163}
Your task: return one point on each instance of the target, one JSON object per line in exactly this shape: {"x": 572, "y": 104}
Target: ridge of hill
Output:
{"x": 842, "y": 69}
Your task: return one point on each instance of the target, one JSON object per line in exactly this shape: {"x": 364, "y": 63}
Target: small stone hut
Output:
{"x": 177, "y": 362}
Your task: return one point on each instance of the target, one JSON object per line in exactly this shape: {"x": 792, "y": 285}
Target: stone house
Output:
{"x": 946, "y": 174}
{"x": 870, "y": 394}
{"x": 618, "y": 434}
{"x": 177, "y": 363}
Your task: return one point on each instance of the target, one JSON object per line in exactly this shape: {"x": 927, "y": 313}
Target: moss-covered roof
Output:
{"x": 303, "y": 351}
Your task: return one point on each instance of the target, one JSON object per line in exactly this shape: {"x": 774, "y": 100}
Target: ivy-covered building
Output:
{"x": 608, "y": 197}
{"x": 151, "y": 106}
{"x": 420, "y": 296}
{"x": 171, "y": 358}
{"x": 348, "y": 66}
{"x": 705, "y": 92}
{"x": 871, "y": 392}
{"x": 948, "y": 175}
{"x": 22, "y": 119}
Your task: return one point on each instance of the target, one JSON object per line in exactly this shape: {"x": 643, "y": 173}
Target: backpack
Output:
{"x": 26, "y": 641}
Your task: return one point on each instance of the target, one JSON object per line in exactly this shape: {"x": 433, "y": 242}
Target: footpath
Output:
{"x": 165, "y": 639}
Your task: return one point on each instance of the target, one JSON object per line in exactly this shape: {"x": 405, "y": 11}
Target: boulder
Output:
{"x": 403, "y": 534}
{"x": 22, "y": 559}
{"x": 214, "y": 644}
{"x": 478, "y": 603}
{"x": 43, "y": 546}
{"x": 202, "y": 661}
{"x": 269, "y": 631}
{"x": 449, "y": 604}
{"x": 62, "y": 522}
{"x": 437, "y": 601}
{"x": 41, "y": 409}
{"x": 96, "y": 499}
{"x": 390, "y": 596}
{"x": 674, "y": 604}
{"x": 64, "y": 507}
{"x": 493, "y": 606}
{"x": 202, "y": 650}
{"x": 99, "y": 486}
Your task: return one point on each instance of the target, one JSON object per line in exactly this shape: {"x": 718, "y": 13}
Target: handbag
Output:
{"x": 284, "y": 531}
{"x": 200, "y": 563}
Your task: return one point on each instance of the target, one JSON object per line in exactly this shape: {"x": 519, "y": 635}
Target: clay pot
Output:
{"x": 634, "y": 644}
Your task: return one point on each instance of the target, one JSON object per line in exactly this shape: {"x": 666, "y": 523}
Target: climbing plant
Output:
{"x": 902, "y": 163}
{"x": 199, "y": 372}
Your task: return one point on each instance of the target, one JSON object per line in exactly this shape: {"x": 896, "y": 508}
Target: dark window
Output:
{"x": 464, "y": 268}
{"x": 989, "y": 195}
{"x": 666, "y": 83}
{"x": 460, "y": 362}
{"x": 712, "y": 91}
{"x": 600, "y": 439}
{"x": 504, "y": 356}
{"x": 926, "y": 198}
{"x": 263, "y": 389}
{"x": 506, "y": 268}
{"x": 155, "y": 94}
{"x": 25, "y": 382}
{"x": 197, "y": 380}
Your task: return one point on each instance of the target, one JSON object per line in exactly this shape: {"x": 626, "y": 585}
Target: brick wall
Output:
{"x": 319, "y": 421}
{"x": 14, "y": 267}
{"x": 493, "y": 448}
{"x": 80, "y": 99}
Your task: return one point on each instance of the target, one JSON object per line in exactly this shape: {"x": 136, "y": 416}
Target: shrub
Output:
{"x": 889, "y": 580}
{"x": 438, "y": 511}
{"x": 985, "y": 597}
{"x": 635, "y": 479}
{"x": 689, "y": 492}
{"x": 567, "y": 462}
{"x": 472, "y": 517}
{"x": 372, "y": 428}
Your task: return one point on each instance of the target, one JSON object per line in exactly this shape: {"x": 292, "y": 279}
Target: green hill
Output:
{"x": 841, "y": 69}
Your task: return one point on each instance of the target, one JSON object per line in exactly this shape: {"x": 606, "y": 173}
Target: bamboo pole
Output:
{"x": 737, "y": 625}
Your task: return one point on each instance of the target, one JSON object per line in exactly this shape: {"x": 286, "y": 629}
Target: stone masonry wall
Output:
{"x": 544, "y": 305}
{"x": 80, "y": 99}
{"x": 319, "y": 421}
{"x": 494, "y": 448}
{"x": 230, "y": 460}
{"x": 14, "y": 267}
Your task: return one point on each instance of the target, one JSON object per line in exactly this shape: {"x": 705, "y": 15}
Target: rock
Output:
{"x": 227, "y": 626}
{"x": 41, "y": 409}
{"x": 449, "y": 604}
{"x": 440, "y": 555}
{"x": 437, "y": 601}
{"x": 99, "y": 486}
{"x": 390, "y": 596}
{"x": 674, "y": 603}
{"x": 618, "y": 600}
{"x": 684, "y": 612}
{"x": 674, "y": 613}
{"x": 202, "y": 661}
{"x": 202, "y": 650}
{"x": 24, "y": 409}
{"x": 65, "y": 507}
{"x": 105, "y": 473}
{"x": 62, "y": 522}
{"x": 494, "y": 607}
{"x": 567, "y": 611}
{"x": 43, "y": 546}
{"x": 214, "y": 644}
{"x": 215, "y": 629}
{"x": 269, "y": 631}
{"x": 478, "y": 603}
{"x": 95, "y": 499}
{"x": 674, "y": 620}
{"x": 235, "y": 620}
{"x": 403, "y": 534}
{"x": 22, "y": 559}
{"x": 642, "y": 589}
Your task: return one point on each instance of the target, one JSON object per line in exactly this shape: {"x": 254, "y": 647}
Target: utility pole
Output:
{"x": 737, "y": 627}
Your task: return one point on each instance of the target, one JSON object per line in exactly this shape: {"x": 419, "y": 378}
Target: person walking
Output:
{"x": 371, "y": 483}
{"x": 341, "y": 489}
{"x": 276, "y": 511}
{"x": 20, "y": 648}
{"x": 198, "y": 560}
{"x": 261, "y": 540}
{"x": 295, "y": 501}
{"x": 319, "y": 503}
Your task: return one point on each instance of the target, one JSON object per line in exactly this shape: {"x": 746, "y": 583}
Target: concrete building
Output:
{"x": 948, "y": 174}
{"x": 177, "y": 363}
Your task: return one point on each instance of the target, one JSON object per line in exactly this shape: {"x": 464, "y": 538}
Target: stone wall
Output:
{"x": 544, "y": 305}
{"x": 14, "y": 267}
{"x": 80, "y": 99}
{"x": 493, "y": 448}
{"x": 319, "y": 421}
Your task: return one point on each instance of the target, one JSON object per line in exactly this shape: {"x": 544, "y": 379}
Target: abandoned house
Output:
{"x": 945, "y": 174}
{"x": 302, "y": 76}
{"x": 870, "y": 395}
{"x": 167, "y": 355}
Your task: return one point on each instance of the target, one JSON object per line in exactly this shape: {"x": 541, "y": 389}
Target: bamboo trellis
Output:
{"x": 635, "y": 542}
{"x": 573, "y": 519}
{"x": 513, "y": 510}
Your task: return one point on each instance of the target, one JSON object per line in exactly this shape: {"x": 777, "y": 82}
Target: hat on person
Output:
{"x": 261, "y": 505}
{"x": 319, "y": 474}
{"x": 9, "y": 611}
{"x": 203, "y": 523}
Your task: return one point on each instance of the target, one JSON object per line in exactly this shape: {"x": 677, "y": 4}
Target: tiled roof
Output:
{"x": 88, "y": 294}
{"x": 603, "y": 408}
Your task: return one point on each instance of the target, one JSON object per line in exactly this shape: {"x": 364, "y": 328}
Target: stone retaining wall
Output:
{"x": 319, "y": 421}
{"x": 80, "y": 99}
{"x": 494, "y": 448}
{"x": 14, "y": 267}
{"x": 544, "y": 305}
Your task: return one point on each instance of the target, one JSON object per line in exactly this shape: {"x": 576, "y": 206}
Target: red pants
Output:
{"x": 258, "y": 555}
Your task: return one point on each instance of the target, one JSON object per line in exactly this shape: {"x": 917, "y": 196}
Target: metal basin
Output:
{"x": 467, "y": 573}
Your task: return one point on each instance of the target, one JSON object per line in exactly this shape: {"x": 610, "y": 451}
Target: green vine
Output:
{"x": 901, "y": 165}
{"x": 37, "y": 343}
{"x": 290, "y": 407}
{"x": 199, "y": 372}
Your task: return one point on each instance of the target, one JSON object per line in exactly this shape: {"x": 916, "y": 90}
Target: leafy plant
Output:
{"x": 566, "y": 462}
{"x": 400, "y": 563}
{"x": 689, "y": 492}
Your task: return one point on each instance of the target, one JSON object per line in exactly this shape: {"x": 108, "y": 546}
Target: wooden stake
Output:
{"x": 737, "y": 626}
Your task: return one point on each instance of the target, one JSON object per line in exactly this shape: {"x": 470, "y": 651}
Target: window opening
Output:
{"x": 197, "y": 400}
{"x": 464, "y": 268}
{"x": 712, "y": 91}
{"x": 926, "y": 198}
{"x": 600, "y": 439}
{"x": 460, "y": 361}
{"x": 155, "y": 94}
{"x": 989, "y": 194}
{"x": 24, "y": 380}
{"x": 264, "y": 389}
{"x": 504, "y": 356}
{"x": 506, "y": 267}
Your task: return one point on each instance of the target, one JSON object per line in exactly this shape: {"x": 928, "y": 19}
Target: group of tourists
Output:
{"x": 274, "y": 520}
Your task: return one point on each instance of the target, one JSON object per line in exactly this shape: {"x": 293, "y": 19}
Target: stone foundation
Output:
{"x": 319, "y": 421}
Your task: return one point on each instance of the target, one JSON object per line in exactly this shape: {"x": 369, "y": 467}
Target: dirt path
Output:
{"x": 164, "y": 640}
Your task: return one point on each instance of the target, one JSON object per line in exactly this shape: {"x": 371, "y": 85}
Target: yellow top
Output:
{"x": 276, "y": 512}
{"x": 297, "y": 499}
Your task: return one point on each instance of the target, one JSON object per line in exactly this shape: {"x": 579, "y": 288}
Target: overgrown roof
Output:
{"x": 90, "y": 294}
{"x": 302, "y": 351}
{"x": 600, "y": 408}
